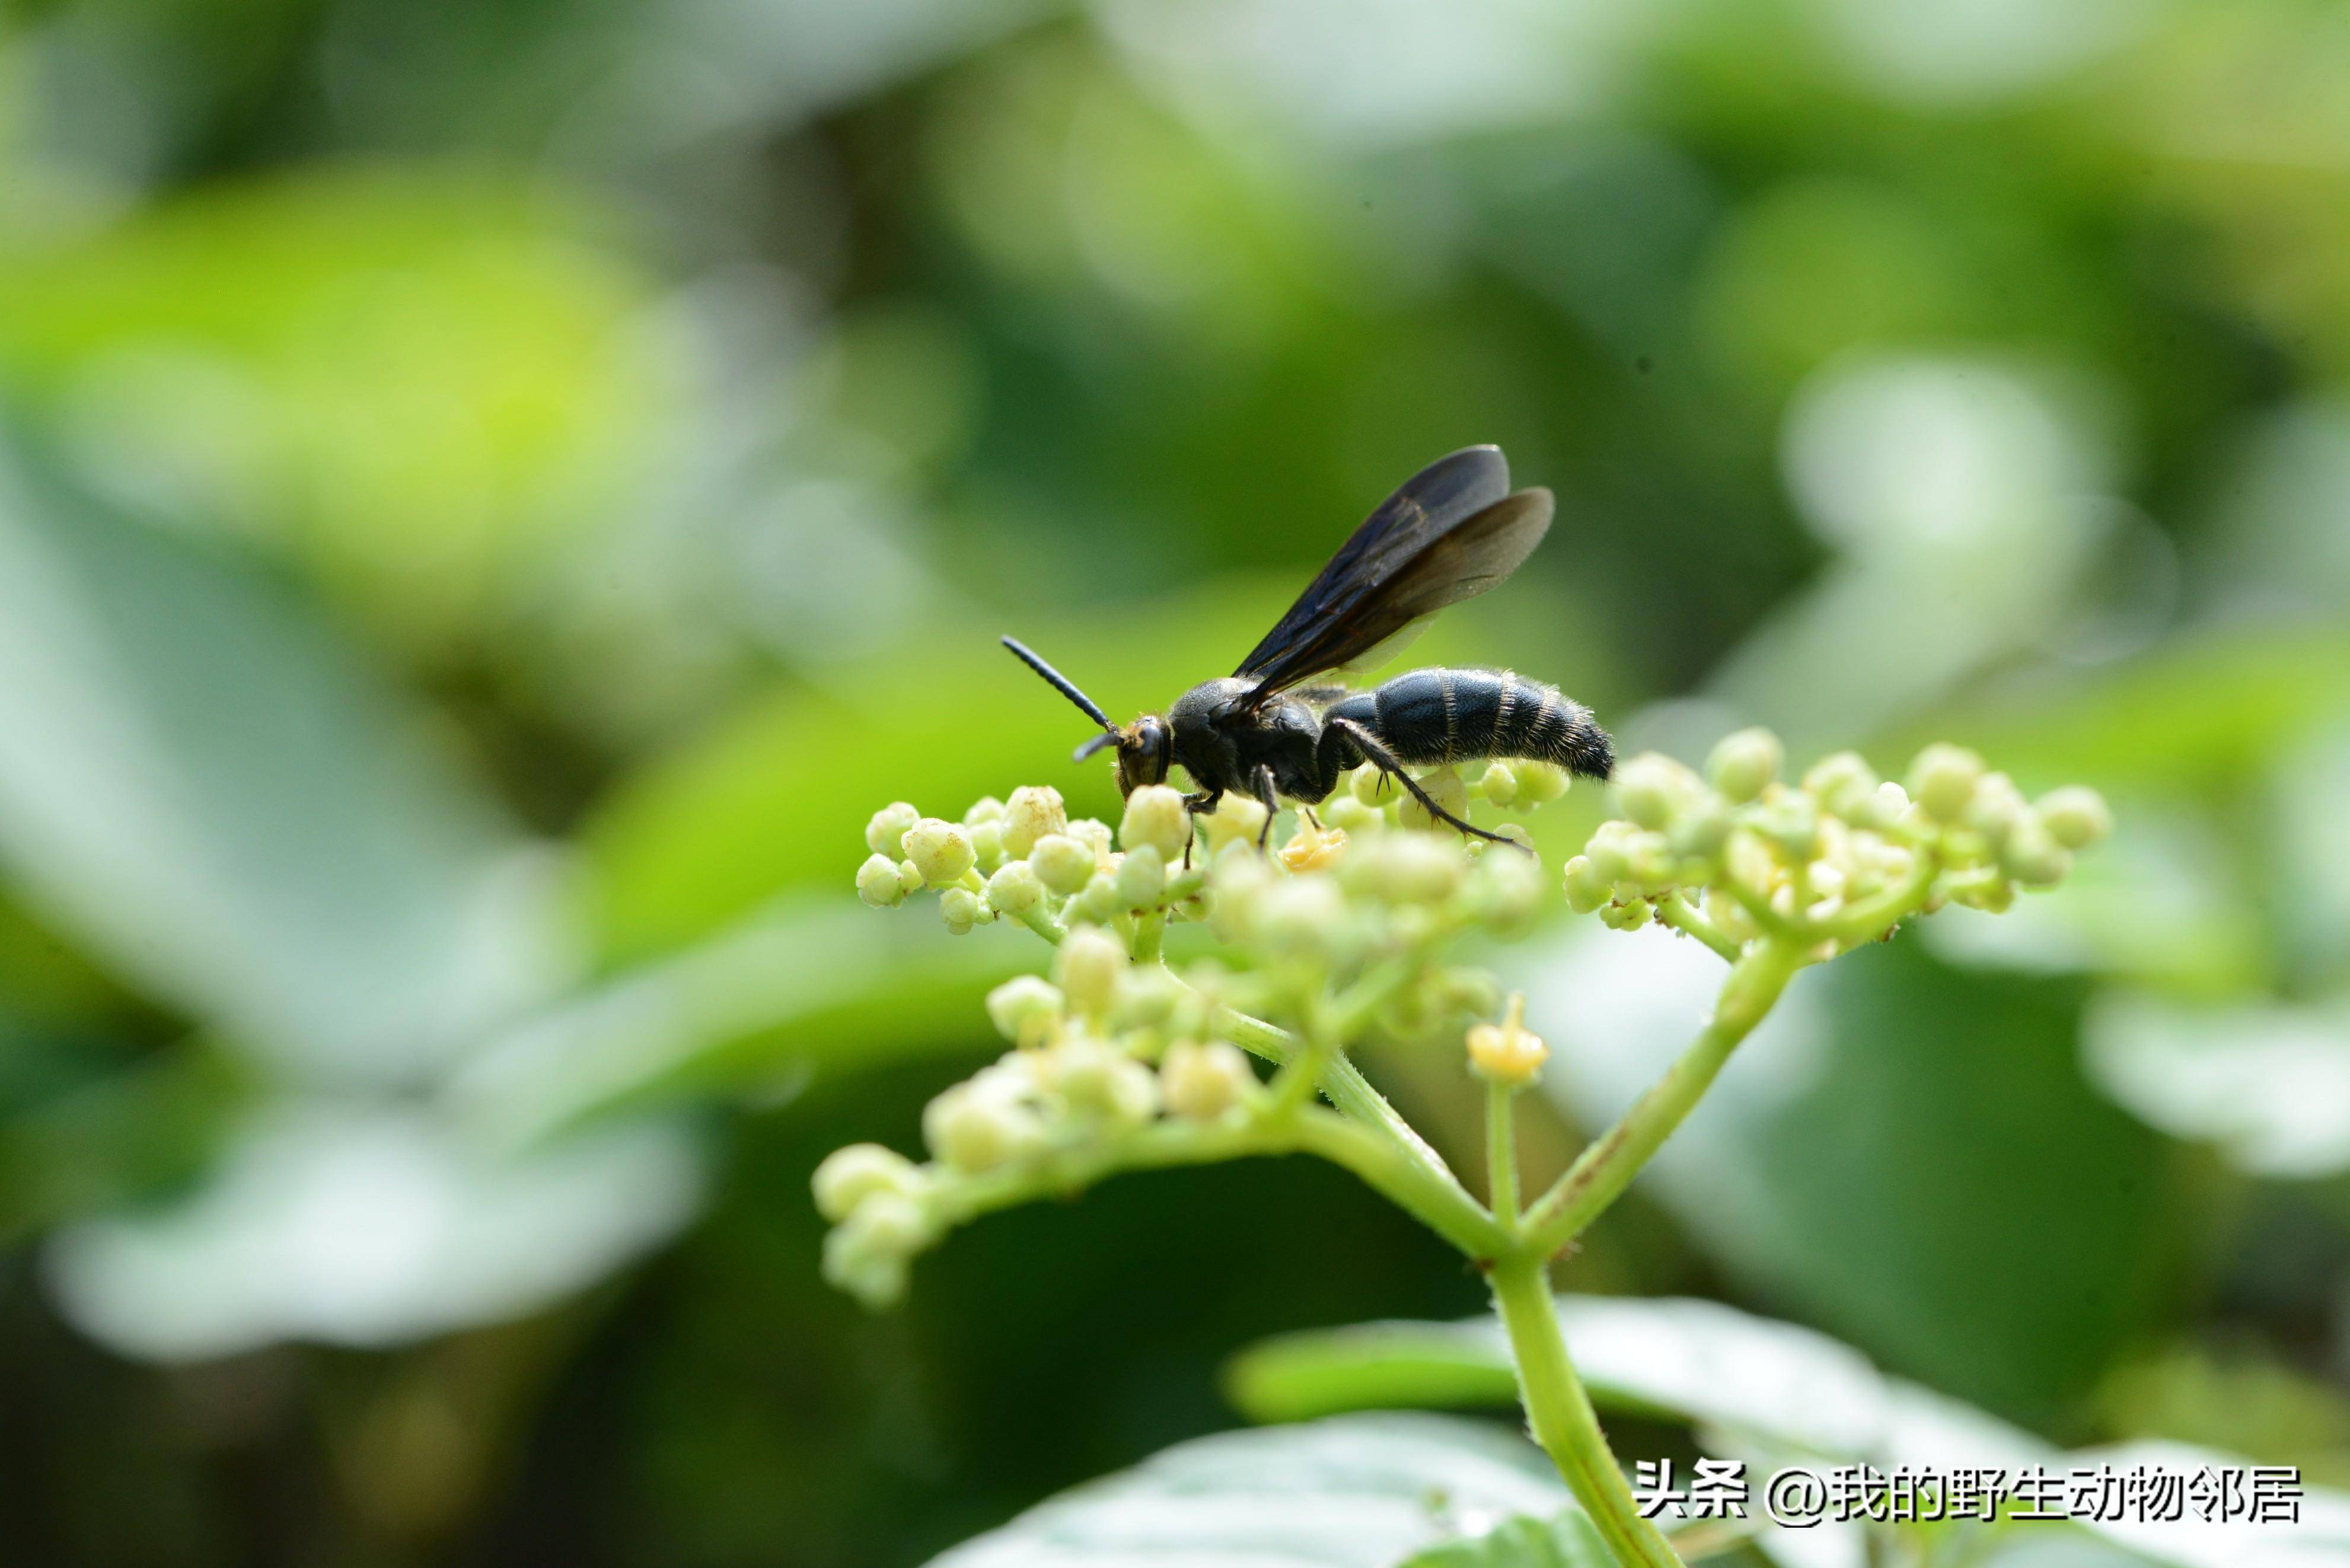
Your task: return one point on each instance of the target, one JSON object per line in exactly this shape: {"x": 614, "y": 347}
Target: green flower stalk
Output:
{"x": 1118, "y": 1061}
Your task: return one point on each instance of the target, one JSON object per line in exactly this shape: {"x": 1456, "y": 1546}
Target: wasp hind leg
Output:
{"x": 1376, "y": 753}
{"x": 1193, "y": 804}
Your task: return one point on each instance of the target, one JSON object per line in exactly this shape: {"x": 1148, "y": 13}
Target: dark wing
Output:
{"x": 1452, "y": 531}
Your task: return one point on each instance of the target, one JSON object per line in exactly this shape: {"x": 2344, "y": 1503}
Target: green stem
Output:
{"x": 1870, "y": 916}
{"x": 1043, "y": 922}
{"x": 1149, "y": 936}
{"x": 1437, "y": 1188}
{"x": 1308, "y": 1130}
{"x": 1502, "y": 1153}
{"x": 1561, "y": 1414}
{"x": 1678, "y": 912}
{"x": 1606, "y": 1167}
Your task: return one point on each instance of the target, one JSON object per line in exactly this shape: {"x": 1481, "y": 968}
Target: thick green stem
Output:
{"x": 1603, "y": 1170}
{"x": 1149, "y": 936}
{"x": 1560, "y": 1414}
{"x": 1502, "y": 1154}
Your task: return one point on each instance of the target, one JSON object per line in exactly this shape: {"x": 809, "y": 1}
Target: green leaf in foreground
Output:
{"x": 1359, "y": 1492}
{"x": 1753, "y": 1387}
{"x": 1569, "y": 1541}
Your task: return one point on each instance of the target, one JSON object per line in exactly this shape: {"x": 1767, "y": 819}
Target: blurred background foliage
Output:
{"x": 492, "y": 495}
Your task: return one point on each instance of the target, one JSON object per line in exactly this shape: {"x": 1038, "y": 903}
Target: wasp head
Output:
{"x": 1144, "y": 749}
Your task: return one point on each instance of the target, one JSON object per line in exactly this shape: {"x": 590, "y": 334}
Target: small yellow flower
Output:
{"x": 1508, "y": 1051}
{"x": 1312, "y": 848}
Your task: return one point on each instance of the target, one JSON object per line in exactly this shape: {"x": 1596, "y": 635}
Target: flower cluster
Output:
{"x": 1339, "y": 933}
{"x": 1119, "y": 1059}
{"x": 1836, "y": 861}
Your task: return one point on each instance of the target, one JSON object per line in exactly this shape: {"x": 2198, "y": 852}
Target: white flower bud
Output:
{"x": 1237, "y": 819}
{"x": 1201, "y": 1083}
{"x": 2031, "y": 856}
{"x": 1651, "y": 787}
{"x": 1099, "y": 1080}
{"x": 1586, "y": 888}
{"x": 940, "y": 850}
{"x": 1703, "y": 828}
{"x": 1879, "y": 809}
{"x": 1943, "y": 779}
{"x": 961, "y": 910}
{"x": 1742, "y": 765}
{"x": 987, "y": 843}
{"x": 1015, "y": 888}
{"x": 1540, "y": 783}
{"x": 1034, "y": 811}
{"x": 1505, "y": 891}
{"x": 2076, "y": 816}
{"x": 1842, "y": 781}
{"x": 1606, "y": 854}
{"x": 986, "y": 808}
{"x": 1025, "y": 1008}
{"x": 1236, "y": 892}
{"x": 1445, "y": 788}
{"x": 1063, "y": 863}
{"x": 877, "y": 882}
{"x": 1998, "y": 808}
{"x": 1140, "y": 877}
{"x": 1792, "y": 821}
{"x": 1301, "y": 917}
{"x": 850, "y": 1177}
{"x": 1344, "y": 812}
{"x": 973, "y": 1129}
{"x": 866, "y": 1255}
{"x": 1096, "y": 835}
{"x": 1155, "y": 816}
{"x": 1372, "y": 787}
{"x": 910, "y": 877}
{"x": 1097, "y": 901}
{"x": 888, "y": 825}
{"x": 1403, "y": 868}
{"x": 1499, "y": 784}
{"x": 1147, "y": 997}
{"x": 1088, "y": 964}
{"x": 1654, "y": 869}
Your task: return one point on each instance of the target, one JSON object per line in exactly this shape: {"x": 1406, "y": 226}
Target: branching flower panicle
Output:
{"x": 1341, "y": 932}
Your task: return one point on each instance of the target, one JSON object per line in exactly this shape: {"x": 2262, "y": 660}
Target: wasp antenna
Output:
{"x": 1063, "y": 685}
{"x": 1098, "y": 742}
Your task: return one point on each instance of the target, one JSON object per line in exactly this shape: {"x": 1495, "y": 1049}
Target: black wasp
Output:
{"x": 1453, "y": 530}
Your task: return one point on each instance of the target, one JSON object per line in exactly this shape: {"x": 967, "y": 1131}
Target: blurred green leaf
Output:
{"x": 206, "y": 790}
{"x": 1363, "y": 1491}
{"x": 2198, "y": 712}
{"x": 1568, "y": 1541}
{"x": 405, "y": 379}
{"x": 349, "y": 1223}
{"x": 2270, "y": 1085}
{"x": 1739, "y": 1375}
{"x": 1847, "y": 1158}
{"x": 1757, "y": 1386}
{"x": 817, "y": 984}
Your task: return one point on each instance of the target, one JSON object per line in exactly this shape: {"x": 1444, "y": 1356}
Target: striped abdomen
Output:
{"x": 1436, "y": 716}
